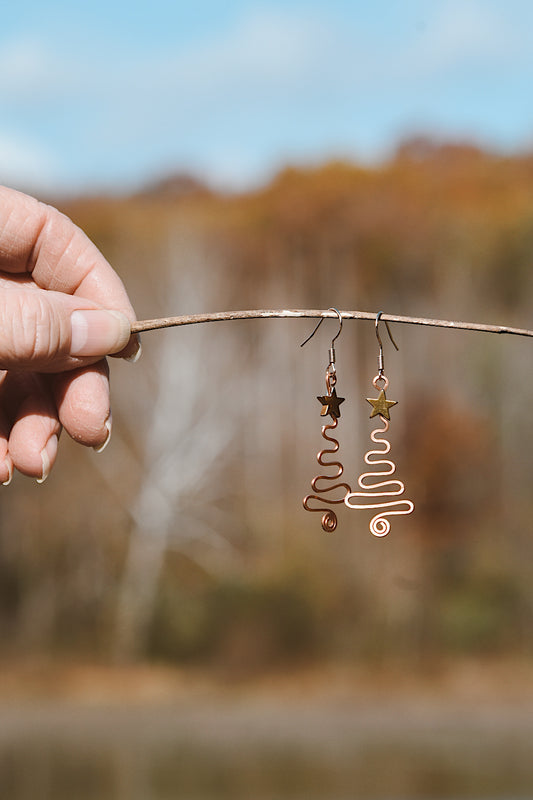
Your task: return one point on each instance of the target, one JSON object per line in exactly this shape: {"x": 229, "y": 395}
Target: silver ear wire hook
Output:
{"x": 381, "y": 361}
{"x": 319, "y": 323}
{"x": 331, "y": 370}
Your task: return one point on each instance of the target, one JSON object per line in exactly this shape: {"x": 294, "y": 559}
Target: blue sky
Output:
{"x": 112, "y": 94}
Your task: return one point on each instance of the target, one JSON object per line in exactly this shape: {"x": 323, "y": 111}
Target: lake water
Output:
{"x": 266, "y": 749}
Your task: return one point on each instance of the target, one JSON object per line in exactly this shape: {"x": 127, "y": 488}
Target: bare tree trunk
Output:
{"x": 185, "y": 441}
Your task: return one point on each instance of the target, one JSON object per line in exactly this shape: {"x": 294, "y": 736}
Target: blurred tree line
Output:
{"x": 186, "y": 540}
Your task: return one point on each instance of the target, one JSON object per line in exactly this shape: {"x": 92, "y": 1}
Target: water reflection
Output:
{"x": 265, "y": 751}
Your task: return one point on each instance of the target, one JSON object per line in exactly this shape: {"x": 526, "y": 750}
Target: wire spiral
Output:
{"x": 329, "y": 518}
{"x": 379, "y": 524}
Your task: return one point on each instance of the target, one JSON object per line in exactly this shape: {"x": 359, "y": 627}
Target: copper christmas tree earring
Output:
{"x": 330, "y": 403}
{"x": 380, "y": 524}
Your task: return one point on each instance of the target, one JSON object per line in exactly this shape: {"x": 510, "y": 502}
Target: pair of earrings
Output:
{"x": 372, "y": 488}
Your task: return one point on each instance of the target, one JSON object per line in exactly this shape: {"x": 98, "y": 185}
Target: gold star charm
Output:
{"x": 381, "y": 406}
{"x": 330, "y": 405}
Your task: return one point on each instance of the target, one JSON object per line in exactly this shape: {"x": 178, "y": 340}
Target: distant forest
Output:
{"x": 186, "y": 540}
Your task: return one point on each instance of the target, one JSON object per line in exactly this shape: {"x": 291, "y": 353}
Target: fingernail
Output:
{"x": 137, "y": 353}
{"x": 9, "y": 464}
{"x": 98, "y": 332}
{"x": 47, "y": 453}
{"x": 108, "y": 424}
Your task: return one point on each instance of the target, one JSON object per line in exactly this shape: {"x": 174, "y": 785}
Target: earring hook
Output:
{"x": 381, "y": 361}
{"x": 320, "y": 321}
{"x": 331, "y": 371}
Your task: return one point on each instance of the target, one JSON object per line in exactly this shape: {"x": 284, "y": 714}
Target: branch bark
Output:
{"x": 195, "y": 319}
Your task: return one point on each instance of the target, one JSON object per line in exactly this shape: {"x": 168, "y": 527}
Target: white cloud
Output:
{"x": 28, "y": 69}
{"x": 265, "y": 51}
{"x": 264, "y": 46}
{"x": 26, "y": 164}
{"x": 459, "y": 31}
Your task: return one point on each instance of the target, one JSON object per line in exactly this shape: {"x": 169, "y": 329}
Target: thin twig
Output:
{"x": 195, "y": 319}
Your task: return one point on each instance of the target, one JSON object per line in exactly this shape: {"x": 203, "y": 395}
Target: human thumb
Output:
{"x": 98, "y": 332}
{"x": 50, "y": 331}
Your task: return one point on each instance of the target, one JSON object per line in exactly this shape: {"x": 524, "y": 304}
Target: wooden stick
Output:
{"x": 195, "y": 319}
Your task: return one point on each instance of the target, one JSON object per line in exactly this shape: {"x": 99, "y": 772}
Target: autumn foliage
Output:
{"x": 186, "y": 540}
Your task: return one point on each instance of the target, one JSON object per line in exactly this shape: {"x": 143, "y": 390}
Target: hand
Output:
{"x": 62, "y": 308}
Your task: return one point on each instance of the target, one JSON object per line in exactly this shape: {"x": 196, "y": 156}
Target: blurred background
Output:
{"x": 173, "y": 623}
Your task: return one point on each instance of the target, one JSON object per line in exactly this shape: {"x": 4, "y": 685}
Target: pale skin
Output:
{"x": 62, "y": 310}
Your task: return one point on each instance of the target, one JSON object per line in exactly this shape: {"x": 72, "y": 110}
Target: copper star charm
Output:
{"x": 381, "y": 406}
{"x": 330, "y": 405}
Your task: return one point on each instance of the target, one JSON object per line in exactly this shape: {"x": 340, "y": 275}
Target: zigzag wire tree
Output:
{"x": 330, "y": 403}
{"x": 373, "y": 493}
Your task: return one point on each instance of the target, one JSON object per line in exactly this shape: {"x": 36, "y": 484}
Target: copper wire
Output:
{"x": 379, "y": 524}
{"x": 329, "y": 518}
